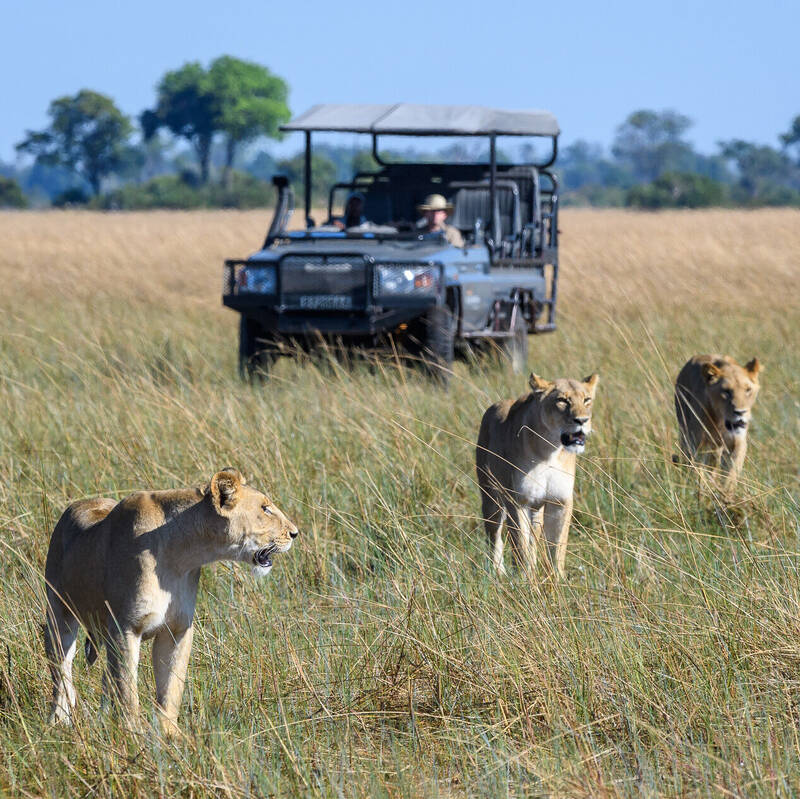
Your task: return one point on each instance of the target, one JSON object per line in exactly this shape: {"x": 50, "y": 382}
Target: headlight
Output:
{"x": 257, "y": 280}
{"x": 406, "y": 281}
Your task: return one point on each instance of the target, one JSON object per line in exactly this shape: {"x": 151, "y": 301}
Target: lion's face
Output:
{"x": 566, "y": 409}
{"x": 732, "y": 391}
{"x": 256, "y": 528}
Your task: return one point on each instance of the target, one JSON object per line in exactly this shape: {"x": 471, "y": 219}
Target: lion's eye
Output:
{"x": 266, "y": 510}
{"x": 562, "y": 403}
{"x": 587, "y": 401}
{"x": 726, "y": 394}
{"x": 748, "y": 390}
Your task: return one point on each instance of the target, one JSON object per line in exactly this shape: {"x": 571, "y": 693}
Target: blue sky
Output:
{"x": 733, "y": 67}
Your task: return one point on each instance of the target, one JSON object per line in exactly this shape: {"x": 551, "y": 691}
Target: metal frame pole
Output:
{"x": 308, "y": 175}
{"x": 492, "y": 177}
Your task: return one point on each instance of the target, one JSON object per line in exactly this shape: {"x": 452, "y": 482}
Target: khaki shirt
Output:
{"x": 453, "y": 236}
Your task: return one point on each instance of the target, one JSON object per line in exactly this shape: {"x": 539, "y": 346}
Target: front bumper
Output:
{"x": 296, "y": 323}
{"x": 324, "y": 304}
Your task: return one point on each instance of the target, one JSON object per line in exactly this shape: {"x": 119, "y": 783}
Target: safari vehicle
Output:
{"x": 386, "y": 283}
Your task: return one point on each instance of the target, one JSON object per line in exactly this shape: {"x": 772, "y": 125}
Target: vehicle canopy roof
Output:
{"x": 413, "y": 119}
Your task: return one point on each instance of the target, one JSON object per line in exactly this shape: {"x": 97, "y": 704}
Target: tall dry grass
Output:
{"x": 381, "y": 658}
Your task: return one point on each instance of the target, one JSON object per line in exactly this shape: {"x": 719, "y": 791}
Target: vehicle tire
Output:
{"x": 439, "y": 348}
{"x": 516, "y": 346}
{"x": 255, "y": 356}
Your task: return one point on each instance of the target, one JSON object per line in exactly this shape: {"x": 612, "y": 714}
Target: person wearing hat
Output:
{"x": 435, "y": 211}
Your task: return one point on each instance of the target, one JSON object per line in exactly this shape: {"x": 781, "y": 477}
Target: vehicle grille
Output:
{"x": 319, "y": 282}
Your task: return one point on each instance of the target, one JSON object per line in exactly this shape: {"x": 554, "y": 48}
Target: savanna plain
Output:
{"x": 381, "y": 658}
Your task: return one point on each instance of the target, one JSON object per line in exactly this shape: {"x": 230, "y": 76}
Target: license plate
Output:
{"x": 328, "y": 302}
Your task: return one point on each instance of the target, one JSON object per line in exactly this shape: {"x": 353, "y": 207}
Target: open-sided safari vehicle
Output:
{"x": 387, "y": 282}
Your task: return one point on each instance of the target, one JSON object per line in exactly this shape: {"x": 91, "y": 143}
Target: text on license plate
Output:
{"x": 335, "y": 302}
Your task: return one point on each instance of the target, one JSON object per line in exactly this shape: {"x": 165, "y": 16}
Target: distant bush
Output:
{"x": 165, "y": 191}
{"x": 183, "y": 191}
{"x": 768, "y": 194}
{"x": 70, "y": 197}
{"x": 11, "y": 195}
{"x": 677, "y": 190}
{"x": 592, "y": 194}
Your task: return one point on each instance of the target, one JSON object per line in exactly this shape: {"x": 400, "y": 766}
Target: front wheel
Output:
{"x": 255, "y": 354}
{"x": 440, "y": 332}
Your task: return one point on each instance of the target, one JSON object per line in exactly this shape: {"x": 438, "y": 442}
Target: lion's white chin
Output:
{"x": 261, "y": 571}
{"x": 736, "y": 427}
{"x": 574, "y": 441}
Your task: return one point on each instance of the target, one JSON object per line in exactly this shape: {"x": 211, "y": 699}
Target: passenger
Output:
{"x": 435, "y": 211}
{"x": 353, "y": 212}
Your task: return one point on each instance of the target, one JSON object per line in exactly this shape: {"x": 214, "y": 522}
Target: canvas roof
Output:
{"x": 424, "y": 120}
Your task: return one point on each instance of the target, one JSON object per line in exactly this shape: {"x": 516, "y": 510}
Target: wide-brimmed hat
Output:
{"x": 435, "y": 202}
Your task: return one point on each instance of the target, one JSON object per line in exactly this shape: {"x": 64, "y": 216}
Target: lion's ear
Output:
{"x": 232, "y": 469}
{"x": 225, "y": 487}
{"x": 711, "y": 373}
{"x": 591, "y": 382}
{"x": 538, "y": 384}
{"x": 753, "y": 368}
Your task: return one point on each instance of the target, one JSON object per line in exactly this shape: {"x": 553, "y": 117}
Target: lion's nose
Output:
{"x": 740, "y": 412}
{"x": 580, "y": 419}
{"x": 294, "y": 533}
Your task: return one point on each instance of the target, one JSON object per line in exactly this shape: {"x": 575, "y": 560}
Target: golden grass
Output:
{"x": 380, "y": 658}
{"x": 732, "y": 259}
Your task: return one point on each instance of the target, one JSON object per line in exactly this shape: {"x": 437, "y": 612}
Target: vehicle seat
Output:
{"x": 530, "y": 200}
{"x": 509, "y": 210}
{"x": 471, "y": 204}
{"x": 378, "y": 207}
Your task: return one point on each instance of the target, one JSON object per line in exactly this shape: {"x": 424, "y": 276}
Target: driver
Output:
{"x": 435, "y": 211}
{"x": 353, "y": 212}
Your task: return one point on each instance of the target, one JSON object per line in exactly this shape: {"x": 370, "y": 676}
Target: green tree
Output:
{"x": 186, "y": 106}
{"x": 87, "y": 134}
{"x": 791, "y": 139}
{"x": 262, "y": 166}
{"x": 323, "y": 174}
{"x": 677, "y": 190}
{"x": 249, "y": 102}
{"x": 155, "y": 156}
{"x": 760, "y": 168}
{"x": 363, "y": 161}
{"x": 583, "y": 164}
{"x": 11, "y": 195}
{"x": 650, "y": 142}
{"x": 239, "y": 99}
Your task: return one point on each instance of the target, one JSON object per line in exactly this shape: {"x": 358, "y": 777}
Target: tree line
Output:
{"x": 202, "y": 143}
{"x": 651, "y": 164}
{"x": 93, "y": 152}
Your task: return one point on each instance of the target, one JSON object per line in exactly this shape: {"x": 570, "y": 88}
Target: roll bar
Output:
{"x": 492, "y": 168}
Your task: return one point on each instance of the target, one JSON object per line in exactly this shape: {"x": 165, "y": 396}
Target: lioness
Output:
{"x": 129, "y": 571}
{"x": 714, "y": 398}
{"x": 525, "y": 461}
